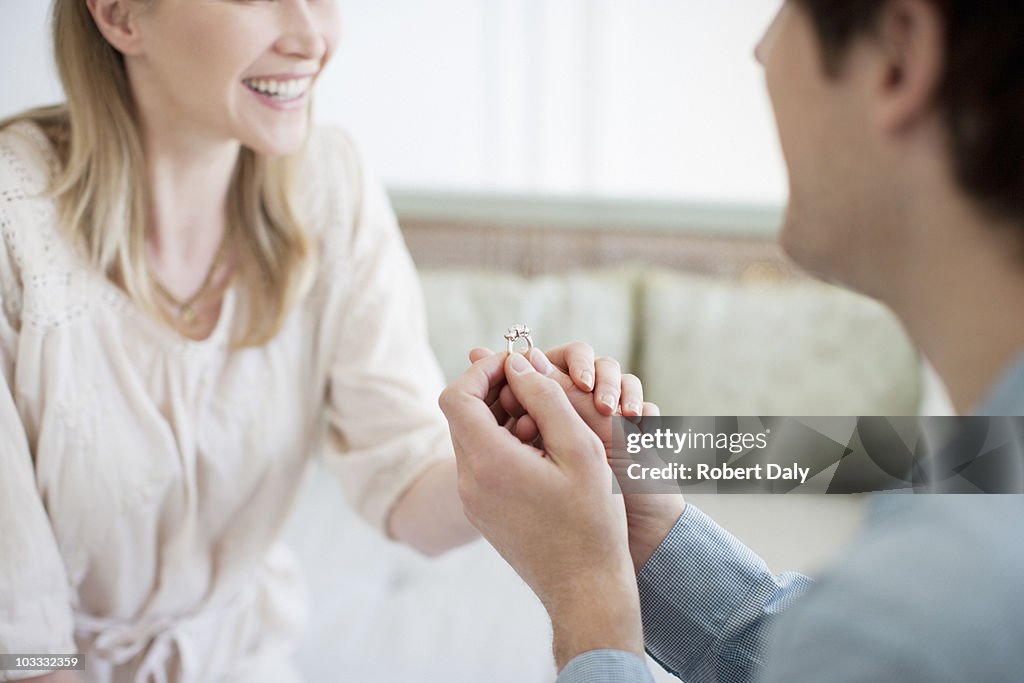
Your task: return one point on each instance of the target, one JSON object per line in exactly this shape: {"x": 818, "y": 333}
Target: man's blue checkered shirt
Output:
{"x": 931, "y": 592}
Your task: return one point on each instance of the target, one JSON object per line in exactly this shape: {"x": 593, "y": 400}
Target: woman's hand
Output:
{"x": 612, "y": 392}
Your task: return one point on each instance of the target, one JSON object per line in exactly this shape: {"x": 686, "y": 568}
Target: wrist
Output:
{"x": 649, "y": 522}
{"x": 597, "y": 613}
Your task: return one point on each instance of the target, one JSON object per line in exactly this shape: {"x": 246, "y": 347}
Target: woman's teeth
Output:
{"x": 280, "y": 90}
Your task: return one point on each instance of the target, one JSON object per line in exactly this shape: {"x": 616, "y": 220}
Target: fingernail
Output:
{"x": 587, "y": 377}
{"x": 633, "y": 408}
{"x": 519, "y": 364}
{"x": 541, "y": 362}
{"x": 608, "y": 400}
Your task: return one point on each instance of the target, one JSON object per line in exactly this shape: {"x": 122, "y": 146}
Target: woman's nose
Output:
{"x": 302, "y": 35}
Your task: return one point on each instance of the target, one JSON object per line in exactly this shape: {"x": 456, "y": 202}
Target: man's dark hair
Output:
{"x": 981, "y": 95}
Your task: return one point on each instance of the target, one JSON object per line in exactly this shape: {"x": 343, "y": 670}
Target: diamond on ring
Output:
{"x": 517, "y": 333}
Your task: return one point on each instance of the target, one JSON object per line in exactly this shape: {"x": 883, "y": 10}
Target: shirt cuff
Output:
{"x": 704, "y": 598}
{"x": 606, "y": 666}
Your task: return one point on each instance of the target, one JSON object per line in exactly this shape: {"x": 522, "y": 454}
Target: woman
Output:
{"x": 193, "y": 284}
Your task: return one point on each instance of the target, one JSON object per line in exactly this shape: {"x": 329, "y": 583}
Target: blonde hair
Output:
{"x": 104, "y": 206}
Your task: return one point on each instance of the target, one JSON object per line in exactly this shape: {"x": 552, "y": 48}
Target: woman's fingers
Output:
{"x": 607, "y": 386}
{"x": 509, "y": 403}
{"x": 603, "y": 376}
{"x": 577, "y": 360}
{"x": 500, "y": 415}
{"x": 632, "y": 399}
{"x": 614, "y": 392}
{"x": 526, "y": 429}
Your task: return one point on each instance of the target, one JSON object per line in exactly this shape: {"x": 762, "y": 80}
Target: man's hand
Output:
{"x": 549, "y": 512}
{"x": 650, "y": 516}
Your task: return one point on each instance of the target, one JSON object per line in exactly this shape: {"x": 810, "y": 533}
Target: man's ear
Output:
{"x": 116, "y": 22}
{"x": 911, "y": 43}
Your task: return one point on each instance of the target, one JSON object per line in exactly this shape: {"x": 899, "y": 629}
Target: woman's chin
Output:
{"x": 278, "y": 143}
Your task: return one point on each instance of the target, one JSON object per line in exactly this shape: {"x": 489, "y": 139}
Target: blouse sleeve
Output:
{"x": 35, "y": 602}
{"x": 384, "y": 424}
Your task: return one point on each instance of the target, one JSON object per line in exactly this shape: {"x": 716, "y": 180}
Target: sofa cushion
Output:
{"x": 714, "y": 347}
{"x": 474, "y": 308}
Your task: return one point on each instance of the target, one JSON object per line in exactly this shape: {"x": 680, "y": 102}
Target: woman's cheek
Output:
{"x": 330, "y": 20}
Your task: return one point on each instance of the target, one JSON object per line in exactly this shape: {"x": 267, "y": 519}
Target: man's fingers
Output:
{"x": 479, "y": 353}
{"x": 479, "y": 379}
{"x": 562, "y": 429}
{"x": 508, "y": 401}
{"x": 470, "y": 418}
{"x": 651, "y": 410}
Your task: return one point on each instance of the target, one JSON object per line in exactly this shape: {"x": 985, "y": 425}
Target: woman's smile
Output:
{"x": 281, "y": 92}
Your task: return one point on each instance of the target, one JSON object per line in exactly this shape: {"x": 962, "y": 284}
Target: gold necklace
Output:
{"x": 187, "y": 314}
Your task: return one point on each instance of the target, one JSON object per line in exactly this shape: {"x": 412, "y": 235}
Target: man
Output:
{"x": 902, "y": 123}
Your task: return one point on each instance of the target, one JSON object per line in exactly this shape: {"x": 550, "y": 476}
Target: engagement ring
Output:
{"x": 517, "y": 332}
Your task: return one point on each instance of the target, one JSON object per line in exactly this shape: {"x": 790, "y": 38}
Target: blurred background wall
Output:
{"x": 606, "y": 98}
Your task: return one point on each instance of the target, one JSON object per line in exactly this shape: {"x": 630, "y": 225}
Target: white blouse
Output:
{"x": 145, "y": 477}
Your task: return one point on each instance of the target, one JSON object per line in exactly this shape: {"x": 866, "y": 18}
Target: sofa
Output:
{"x": 704, "y": 345}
